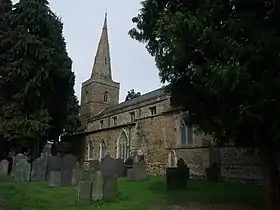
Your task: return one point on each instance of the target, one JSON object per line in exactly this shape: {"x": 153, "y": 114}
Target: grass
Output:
{"x": 131, "y": 195}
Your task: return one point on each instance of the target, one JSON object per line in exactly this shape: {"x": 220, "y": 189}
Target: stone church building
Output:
{"x": 148, "y": 125}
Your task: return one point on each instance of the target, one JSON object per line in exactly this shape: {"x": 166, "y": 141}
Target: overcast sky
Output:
{"x": 132, "y": 66}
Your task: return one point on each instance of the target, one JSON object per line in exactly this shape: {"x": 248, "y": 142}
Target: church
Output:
{"x": 146, "y": 124}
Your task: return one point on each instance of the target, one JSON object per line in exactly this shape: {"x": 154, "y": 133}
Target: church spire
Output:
{"x": 102, "y": 62}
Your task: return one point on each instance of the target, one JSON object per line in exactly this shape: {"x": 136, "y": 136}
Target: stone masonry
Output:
{"x": 150, "y": 126}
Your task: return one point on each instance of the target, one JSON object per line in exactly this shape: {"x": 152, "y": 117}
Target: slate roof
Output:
{"x": 145, "y": 97}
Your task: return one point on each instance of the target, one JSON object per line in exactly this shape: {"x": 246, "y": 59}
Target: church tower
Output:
{"x": 99, "y": 91}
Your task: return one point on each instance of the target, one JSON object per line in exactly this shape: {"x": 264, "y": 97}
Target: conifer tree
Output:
{"x": 221, "y": 59}
{"x": 41, "y": 80}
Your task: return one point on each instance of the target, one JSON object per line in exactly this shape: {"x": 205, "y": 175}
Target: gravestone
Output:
{"x": 39, "y": 169}
{"x": 77, "y": 174}
{"x": 128, "y": 164}
{"x": 94, "y": 165}
{"x": 54, "y": 170}
{"x": 16, "y": 159}
{"x": 130, "y": 174}
{"x": 176, "y": 178}
{"x": 22, "y": 171}
{"x": 84, "y": 192}
{"x": 69, "y": 162}
{"x": 97, "y": 186}
{"x": 136, "y": 157}
{"x": 108, "y": 170}
{"x": 213, "y": 173}
{"x": 47, "y": 149}
{"x": 120, "y": 171}
{"x": 108, "y": 166}
{"x": 4, "y": 168}
{"x": 140, "y": 171}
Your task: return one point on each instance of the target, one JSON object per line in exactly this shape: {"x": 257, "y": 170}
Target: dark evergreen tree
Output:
{"x": 5, "y": 9}
{"x": 221, "y": 60}
{"x": 41, "y": 95}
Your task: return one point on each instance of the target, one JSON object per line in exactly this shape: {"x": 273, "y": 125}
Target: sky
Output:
{"x": 132, "y": 65}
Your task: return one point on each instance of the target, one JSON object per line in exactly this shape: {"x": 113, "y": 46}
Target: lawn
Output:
{"x": 131, "y": 196}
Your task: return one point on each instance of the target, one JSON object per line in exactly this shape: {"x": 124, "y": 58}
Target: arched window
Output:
{"x": 106, "y": 97}
{"x": 90, "y": 150}
{"x": 185, "y": 133}
{"x": 102, "y": 150}
{"x": 123, "y": 146}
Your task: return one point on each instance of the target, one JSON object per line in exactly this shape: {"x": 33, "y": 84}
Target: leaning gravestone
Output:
{"x": 97, "y": 186}
{"x": 39, "y": 169}
{"x": 140, "y": 171}
{"x": 108, "y": 170}
{"x": 22, "y": 171}
{"x": 4, "y": 168}
{"x": 54, "y": 170}
{"x": 84, "y": 192}
{"x": 69, "y": 162}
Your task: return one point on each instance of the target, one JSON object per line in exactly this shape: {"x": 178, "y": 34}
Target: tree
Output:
{"x": 5, "y": 9}
{"x": 40, "y": 95}
{"x": 131, "y": 94}
{"x": 221, "y": 61}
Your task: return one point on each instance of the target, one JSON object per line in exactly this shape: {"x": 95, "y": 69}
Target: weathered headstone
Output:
{"x": 47, "y": 149}
{"x": 54, "y": 170}
{"x": 4, "y": 168}
{"x": 39, "y": 169}
{"x": 108, "y": 170}
{"x": 120, "y": 167}
{"x": 140, "y": 171}
{"x": 130, "y": 174}
{"x": 176, "y": 178}
{"x": 77, "y": 174}
{"x": 128, "y": 164}
{"x": 97, "y": 186}
{"x": 108, "y": 166}
{"x": 109, "y": 188}
{"x": 22, "y": 171}
{"x": 84, "y": 192}
{"x": 68, "y": 165}
{"x": 213, "y": 173}
{"x": 94, "y": 165}
{"x": 16, "y": 159}
{"x": 136, "y": 157}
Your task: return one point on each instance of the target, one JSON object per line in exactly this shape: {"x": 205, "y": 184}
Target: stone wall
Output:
{"x": 239, "y": 163}
{"x": 150, "y": 134}
{"x": 157, "y": 137}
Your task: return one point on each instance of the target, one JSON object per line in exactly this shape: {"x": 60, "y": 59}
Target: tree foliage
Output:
{"x": 131, "y": 94}
{"x": 38, "y": 89}
{"x": 221, "y": 61}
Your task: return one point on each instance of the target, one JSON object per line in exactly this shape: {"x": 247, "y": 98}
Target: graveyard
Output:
{"x": 61, "y": 182}
{"x": 151, "y": 194}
